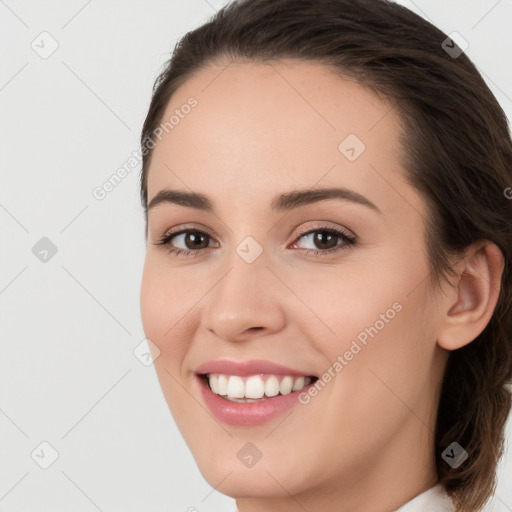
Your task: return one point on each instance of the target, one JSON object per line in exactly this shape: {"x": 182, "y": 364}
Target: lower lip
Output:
{"x": 249, "y": 413}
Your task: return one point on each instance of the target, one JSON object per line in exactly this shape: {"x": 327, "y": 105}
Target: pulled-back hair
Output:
{"x": 457, "y": 152}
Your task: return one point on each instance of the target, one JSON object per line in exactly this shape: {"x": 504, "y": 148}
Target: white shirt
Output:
{"x": 435, "y": 499}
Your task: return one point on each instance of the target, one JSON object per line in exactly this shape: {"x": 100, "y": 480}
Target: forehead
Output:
{"x": 259, "y": 128}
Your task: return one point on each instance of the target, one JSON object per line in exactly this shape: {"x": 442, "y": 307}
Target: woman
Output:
{"x": 328, "y": 270}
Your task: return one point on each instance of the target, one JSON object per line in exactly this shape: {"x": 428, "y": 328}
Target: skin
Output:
{"x": 365, "y": 442}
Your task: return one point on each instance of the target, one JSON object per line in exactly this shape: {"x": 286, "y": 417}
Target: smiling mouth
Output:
{"x": 254, "y": 388}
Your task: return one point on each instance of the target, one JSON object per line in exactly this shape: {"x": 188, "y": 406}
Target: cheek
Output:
{"x": 347, "y": 301}
{"x": 164, "y": 304}
{"x": 152, "y": 303}
{"x": 165, "y": 320}
{"x": 378, "y": 317}
{"x": 380, "y": 293}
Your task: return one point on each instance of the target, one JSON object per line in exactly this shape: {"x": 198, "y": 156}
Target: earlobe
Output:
{"x": 469, "y": 306}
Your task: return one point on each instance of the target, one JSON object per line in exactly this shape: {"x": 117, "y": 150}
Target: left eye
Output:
{"x": 325, "y": 239}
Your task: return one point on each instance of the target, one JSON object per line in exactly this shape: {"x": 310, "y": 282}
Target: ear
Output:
{"x": 468, "y": 306}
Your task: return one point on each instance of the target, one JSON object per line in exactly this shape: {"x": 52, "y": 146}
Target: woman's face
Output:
{"x": 286, "y": 283}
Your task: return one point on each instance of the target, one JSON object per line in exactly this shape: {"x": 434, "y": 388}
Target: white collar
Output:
{"x": 435, "y": 499}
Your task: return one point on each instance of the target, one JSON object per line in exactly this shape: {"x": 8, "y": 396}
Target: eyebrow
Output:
{"x": 281, "y": 203}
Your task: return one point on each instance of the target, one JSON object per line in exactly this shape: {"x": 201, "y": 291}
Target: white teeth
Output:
{"x": 285, "y": 388}
{"x": 272, "y": 386}
{"x": 254, "y": 387}
{"x": 236, "y": 387}
{"x": 299, "y": 383}
{"x": 214, "y": 383}
{"x": 222, "y": 384}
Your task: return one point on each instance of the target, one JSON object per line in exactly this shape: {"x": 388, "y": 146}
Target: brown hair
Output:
{"x": 457, "y": 153}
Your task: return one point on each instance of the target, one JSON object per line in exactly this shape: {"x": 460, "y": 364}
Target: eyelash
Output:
{"x": 348, "y": 240}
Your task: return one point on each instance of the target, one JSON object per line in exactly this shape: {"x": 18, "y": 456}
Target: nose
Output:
{"x": 246, "y": 303}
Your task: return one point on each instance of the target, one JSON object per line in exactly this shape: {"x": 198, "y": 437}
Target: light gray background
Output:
{"x": 68, "y": 375}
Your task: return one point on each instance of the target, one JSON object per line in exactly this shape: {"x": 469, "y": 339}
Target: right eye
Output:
{"x": 191, "y": 240}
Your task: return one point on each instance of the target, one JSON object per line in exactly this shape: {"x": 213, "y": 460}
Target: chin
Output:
{"x": 253, "y": 482}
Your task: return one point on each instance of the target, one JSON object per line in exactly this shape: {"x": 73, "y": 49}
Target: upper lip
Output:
{"x": 245, "y": 368}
